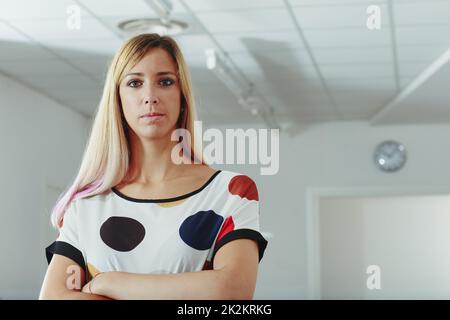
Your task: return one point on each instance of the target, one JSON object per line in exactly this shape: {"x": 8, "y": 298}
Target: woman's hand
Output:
{"x": 86, "y": 288}
{"x": 96, "y": 284}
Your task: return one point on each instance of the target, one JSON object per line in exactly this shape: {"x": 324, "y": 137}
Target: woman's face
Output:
{"x": 151, "y": 86}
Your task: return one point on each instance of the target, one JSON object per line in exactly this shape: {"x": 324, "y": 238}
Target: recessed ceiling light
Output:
{"x": 153, "y": 25}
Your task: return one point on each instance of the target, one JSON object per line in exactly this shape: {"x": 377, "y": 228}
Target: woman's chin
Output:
{"x": 155, "y": 132}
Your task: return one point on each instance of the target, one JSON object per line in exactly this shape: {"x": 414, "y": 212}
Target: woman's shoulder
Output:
{"x": 237, "y": 176}
{"x": 239, "y": 184}
{"x": 94, "y": 200}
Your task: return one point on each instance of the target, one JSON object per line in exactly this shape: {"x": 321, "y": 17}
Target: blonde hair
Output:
{"x": 106, "y": 158}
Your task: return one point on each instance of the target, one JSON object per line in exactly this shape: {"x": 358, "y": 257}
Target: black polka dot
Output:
{"x": 122, "y": 233}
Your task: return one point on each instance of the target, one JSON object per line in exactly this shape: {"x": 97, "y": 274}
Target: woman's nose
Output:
{"x": 151, "y": 100}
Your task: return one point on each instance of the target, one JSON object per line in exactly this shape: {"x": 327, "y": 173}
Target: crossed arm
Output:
{"x": 233, "y": 277}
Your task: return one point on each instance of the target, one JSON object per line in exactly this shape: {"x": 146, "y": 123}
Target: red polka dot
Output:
{"x": 227, "y": 227}
{"x": 244, "y": 187}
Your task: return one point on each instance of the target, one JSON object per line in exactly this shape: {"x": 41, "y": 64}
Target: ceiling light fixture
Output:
{"x": 240, "y": 87}
{"x": 151, "y": 25}
{"x": 163, "y": 25}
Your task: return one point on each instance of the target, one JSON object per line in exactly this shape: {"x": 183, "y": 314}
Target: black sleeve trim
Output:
{"x": 242, "y": 234}
{"x": 67, "y": 250}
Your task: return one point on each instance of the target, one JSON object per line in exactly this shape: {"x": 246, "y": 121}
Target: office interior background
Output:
{"x": 337, "y": 77}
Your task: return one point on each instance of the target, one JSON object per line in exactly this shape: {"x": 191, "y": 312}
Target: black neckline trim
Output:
{"x": 117, "y": 192}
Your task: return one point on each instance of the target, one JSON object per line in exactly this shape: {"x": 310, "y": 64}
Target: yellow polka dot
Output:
{"x": 172, "y": 203}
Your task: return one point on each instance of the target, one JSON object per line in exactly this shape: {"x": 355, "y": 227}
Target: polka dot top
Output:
{"x": 114, "y": 232}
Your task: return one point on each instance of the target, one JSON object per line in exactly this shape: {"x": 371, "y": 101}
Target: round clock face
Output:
{"x": 390, "y": 156}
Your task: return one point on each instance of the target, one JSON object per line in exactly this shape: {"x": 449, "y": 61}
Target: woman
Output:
{"x": 136, "y": 224}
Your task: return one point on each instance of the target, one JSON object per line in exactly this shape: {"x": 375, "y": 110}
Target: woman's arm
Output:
{"x": 56, "y": 280}
{"x": 233, "y": 277}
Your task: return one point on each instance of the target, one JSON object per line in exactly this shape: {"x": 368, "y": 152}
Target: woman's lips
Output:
{"x": 153, "y": 114}
{"x": 153, "y": 117}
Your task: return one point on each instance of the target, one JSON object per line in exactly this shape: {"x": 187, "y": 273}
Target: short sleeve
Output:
{"x": 68, "y": 244}
{"x": 242, "y": 222}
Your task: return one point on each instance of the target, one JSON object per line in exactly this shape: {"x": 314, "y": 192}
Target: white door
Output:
{"x": 403, "y": 242}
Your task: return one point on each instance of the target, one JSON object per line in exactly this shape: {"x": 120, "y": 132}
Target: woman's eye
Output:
{"x": 134, "y": 83}
{"x": 166, "y": 82}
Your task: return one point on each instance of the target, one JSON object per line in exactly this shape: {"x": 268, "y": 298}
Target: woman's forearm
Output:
{"x": 73, "y": 295}
{"x": 76, "y": 295}
{"x": 208, "y": 284}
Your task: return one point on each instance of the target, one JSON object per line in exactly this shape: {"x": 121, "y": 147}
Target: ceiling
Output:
{"x": 310, "y": 60}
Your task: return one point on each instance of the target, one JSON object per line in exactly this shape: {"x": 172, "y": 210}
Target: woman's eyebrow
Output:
{"x": 161, "y": 73}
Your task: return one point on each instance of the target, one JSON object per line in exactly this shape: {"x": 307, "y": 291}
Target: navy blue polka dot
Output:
{"x": 199, "y": 230}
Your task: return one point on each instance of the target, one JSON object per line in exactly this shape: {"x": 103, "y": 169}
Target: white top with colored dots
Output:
{"x": 113, "y": 232}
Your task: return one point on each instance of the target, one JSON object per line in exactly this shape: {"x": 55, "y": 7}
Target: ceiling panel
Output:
{"x": 301, "y": 87}
{"x": 220, "y": 5}
{"x": 357, "y": 70}
{"x": 357, "y": 110}
{"x": 423, "y": 12}
{"x": 301, "y": 105}
{"x": 412, "y": 69}
{"x": 420, "y": 52}
{"x": 84, "y": 48}
{"x": 268, "y": 60}
{"x": 404, "y": 81}
{"x": 117, "y": 7}
{"x": 354, "y": 37}
{"x": 282, "y": 65}
{"x": 299, "y": 73}
{"x": 428, "y": 104}
{"x": 361, "y": 84}
{"x": 363, "y": 97}
{"x": 290, "y": 97}
{"x": 247, "y": 20}
{"x": 353, "y": 55}
{"x": 333, "y": 2}
{"x": 260, "y": 41}
{"x": 328, "y": 17}
{"x": 37, "y": 10}
{"x": 423, "y": 35}
{"x": 90, "y": 28}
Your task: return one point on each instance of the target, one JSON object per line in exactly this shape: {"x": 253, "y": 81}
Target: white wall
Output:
{"x": 42, "y": 143}
{"x": 333, "y": 155}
